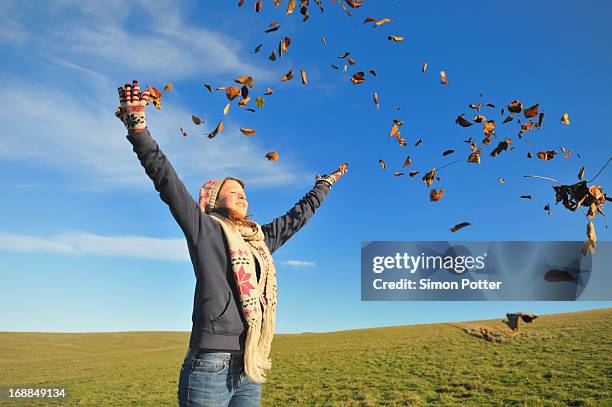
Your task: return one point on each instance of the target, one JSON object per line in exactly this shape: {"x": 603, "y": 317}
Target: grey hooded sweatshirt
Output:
{"x": 217, "y": 318}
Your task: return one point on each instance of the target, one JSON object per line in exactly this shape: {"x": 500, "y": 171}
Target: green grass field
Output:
{"x": 559, "y": 360}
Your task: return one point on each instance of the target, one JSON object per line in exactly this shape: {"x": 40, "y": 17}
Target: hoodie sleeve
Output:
{"x": 282, "y": 228}
{"x": 171, "y": 189}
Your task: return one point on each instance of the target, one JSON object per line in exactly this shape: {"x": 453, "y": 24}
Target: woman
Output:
{"x": 234, "y": 308}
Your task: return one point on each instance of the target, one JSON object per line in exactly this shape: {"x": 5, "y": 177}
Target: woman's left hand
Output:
{"x": 335, "y": 176}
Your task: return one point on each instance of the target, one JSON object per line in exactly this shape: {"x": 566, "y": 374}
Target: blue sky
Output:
{"x": 87, "y": 245}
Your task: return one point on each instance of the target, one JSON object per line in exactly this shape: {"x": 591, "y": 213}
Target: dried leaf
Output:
{"x": 547, "y": 209}
{"x": 502, "y": 146}
{"x": 394, "y": 130}
{"x": 232, "y": 92}
{"x": 488, "y": 128}
{"x": 529, "y": 155}
{"x": 351, "y": 61}
{"x": 397, "y": 174}
{"x": 382, "y": 164}
{"x": 290, "y": 7}
{"x": 226, "y": 109}
{"x": 372, "y": 72}
{"x": 244, "y": 92}
{"x": 413, "y": 173}
{"x": 357, "y": 78}
{"x": 323, "y": 39}
{"x": 168, "y": 87}
{"x": 272, "y": 156}
{"x": 567, "y": 154}
{"x": 248, "y": 132}
{"x": 547, "y": 155}
{"x": 462, "y": 121}
{"x": 508, "y": 119}
{"x": 531, "y": 111}
{"x": 369, "y": 20}
{"x": 272, "y": 29}
{"x": 424, "y": 68}
{"x": 260, "y": 102}
{"x": 245, "y": 80}
{"x": 272, "y": 56}
{"x": 257, "y": 48}
{"x": 479, "y": 119}
{"x": 395, "y": 38}
{"x": 447, "y": 152}
{"x": 304, "y": 80}
{"x": 288, "y": 76}
{"x": 183, "y": 132}
{"x": 515, "y": 107}
{"x": 526, "y": 197}
{"x": 376, "y": 100}
{"x": 269, "y": 92}
{"x": 443, "y": 79}
{"x": 207, "y": 86}
{"x": 434, "y": 196}
{"x": 382, "y": 21}
{"x": 565, "y": 119}
{"x": 407, "y": 162}
{"x": 475, "y": 157}
{"x": 501, "y": 180}
{"x": 243, "y": 102}
{"x": 581, "y": 173}
{"x": 459, "y": 226}
{"x": 217, "y": 130}
{"x": 428, "y": 178}
{"x": 196, "y": 120}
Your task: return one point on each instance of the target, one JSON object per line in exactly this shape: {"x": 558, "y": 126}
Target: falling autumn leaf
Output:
{"x": 382, "y": 164}
{"x": 479, "y": 119}
{"x": 413, "y": 173}
{"x": 376, "y": 100}
{"x": 434, "y": 196}
{"x": 565, "y": 119}
{"x": 447, "y": 152}
{"x": 272, "y": 56}
{"x": 397, "y": 174}
{"x": 382, "y": 21}
{"x": 502, "y": 146}
{"x": 247, "y": 132}
{"x": 257, "y": 48}
{"x": 529, "y": 155}
{"x": 324, "y": 41}
{"x": 526, "y": 197}
{"x": 407, "y": 162}
{"x": 207, "y": 86}
{"x": 226, "y": 109}
{"x": 508, "y": 119}
{"x": 357, "y": 78}
{"x": 196, "y": 120}
{"x": 369, "y": 20}
{"x": 424, "y": 68}
{"x": 547, "y": 209}
{"x": 475, "y": 157}
{"x": 443, "y": 79}
{"x": 260, "y": 102}
{"x": 269, "y": 92}
{"x": 395, "y": 38}
{"x": 372, "y": 72}
{"x": 304, "y": 80}
{"x": 232, "y": 92}
{"x": 581, "y": 173}
{"x": 272, "y": 28}
{"x": 428, "y": 178}
{"x": 515, "y": 107}
{"x": 168, "y": 87}
{"x": 245, "y": 80}
{"x": 394, "y": 130}
{"x": 288, "y": 76}
{"x": 272, "y": 156}
{"x": 217, "y": 130}
{"x": 501, "y": 180}
{"x": 531, "y": 111}
{"x": 459, "y": 226}
{"x": 462, "y": 121}
{"x": 243, "y": 102}
{"x": 183, "y": 132}
{"x": 351, "y": 61}
{"x": 547, "y": 155}
{"x": 290, "y": 6}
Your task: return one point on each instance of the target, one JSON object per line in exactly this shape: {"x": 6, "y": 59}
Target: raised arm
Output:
{"x": 157, "y": 166}
{"x": 283, "y": 227}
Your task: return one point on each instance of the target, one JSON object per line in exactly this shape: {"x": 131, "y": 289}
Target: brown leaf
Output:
{"x": 475, "y": 157}
{"x": 248, "y": 132}
{"x": 269, "y": 92}
{"x": 508, "y": 119}
{"x": 515, "y": 107}
{"x": 435, "y": 196}
{"x": 357, "y": 78}
{"x": 257, "y": 48}
{"x": 245, "y": 80}
{"x": 382, "y": 21}
{"x": 526, "y": 197}
{"x": 395, "y": 38}
{"x": 232, "y": 92}
{"x": 581, "y": 173}
{"x": 547, "y": 155}
{"x": 502, "y": 146}
{"x": 565, "y": 119}
{"x": 567, "y": 154}
{"x": 501, "y": 180}
{"x": 428, "y": 178}
{"x": 243, "y": 102}
{"x": 547, "y": 209}
{"x": 488, "y": 128}
{"x": 168, "y": 87}
{"x": 272, "y": 56}
{"x": 323, "y": 39}
{"x": 424, "y": 68}
{"x": 290, "y": 7}
{"x": 462, "y": 121}
{"x": 479, "y": 119}
{"x": 304, "y": 80}
{"x": 369, "y": 20}
{"x": 477, "y": 107}
{"x": 447, "y": 152}
{"x": 394, "y": 130}
{"x": 183, "y": 132}
{"x": 397, "y": 174}
{"x": 529, "y": 155}
{"x": 351, "y": 61}
{"x": 373, "y": 73}
{"x": 288, "y": 76}
{"x": 196, "y": 120}
{"x": 272, "y": 156}
{"x": 443, "y": 79}
{"x": 459, "y": 226}
{"x": 217, "y": 130}
{"x": 226, "y": 109}
{"x": 376, "y": 100}
{"x": 382, "y": 164}
{"x": 531, "y": 111}
{"x": 207, "y": 86}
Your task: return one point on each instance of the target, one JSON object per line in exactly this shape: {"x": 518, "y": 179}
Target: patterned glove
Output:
{"x": 132, "y": 109}
{"x": 330, "y": 179}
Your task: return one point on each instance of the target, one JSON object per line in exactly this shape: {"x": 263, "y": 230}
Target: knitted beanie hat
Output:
{"x": 209, "y": 192}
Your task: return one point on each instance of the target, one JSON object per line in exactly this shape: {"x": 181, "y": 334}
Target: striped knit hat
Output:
{"x": 208, "y": 194}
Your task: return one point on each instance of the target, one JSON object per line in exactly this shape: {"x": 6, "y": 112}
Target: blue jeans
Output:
{"x": 216, "y": 379}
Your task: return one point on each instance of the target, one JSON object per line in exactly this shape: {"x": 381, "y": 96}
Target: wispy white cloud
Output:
{"x": 298, "y": 263}
{"x": 89, "y": 244}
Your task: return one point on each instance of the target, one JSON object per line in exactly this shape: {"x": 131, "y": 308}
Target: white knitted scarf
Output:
{"x": 257, "y": 298}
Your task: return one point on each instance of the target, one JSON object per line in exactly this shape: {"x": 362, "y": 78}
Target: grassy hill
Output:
{"x": 559, "y": 360}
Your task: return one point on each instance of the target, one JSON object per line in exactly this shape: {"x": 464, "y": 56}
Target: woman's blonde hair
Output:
{"x": 233, "y": 216}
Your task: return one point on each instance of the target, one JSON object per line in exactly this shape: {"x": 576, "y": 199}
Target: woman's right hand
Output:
{"x": 132, "y": 107}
